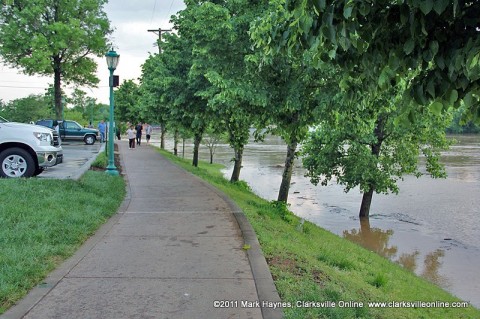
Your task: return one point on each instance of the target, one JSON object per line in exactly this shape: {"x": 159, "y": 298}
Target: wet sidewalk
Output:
{"x": 174, "y": 250}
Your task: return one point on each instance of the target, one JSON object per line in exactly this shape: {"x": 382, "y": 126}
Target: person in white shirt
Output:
{"x": 131, "y": 137}
{"x": 148, "y": 132}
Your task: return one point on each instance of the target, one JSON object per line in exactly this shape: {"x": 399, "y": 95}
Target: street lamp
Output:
{"x": 112, "y": 62}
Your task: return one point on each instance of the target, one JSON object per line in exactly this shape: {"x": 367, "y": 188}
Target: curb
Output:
{"x": 262, "y": 276}
{"x": 86, "y": 166}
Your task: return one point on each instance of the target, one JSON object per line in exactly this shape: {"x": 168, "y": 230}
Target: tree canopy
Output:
{"x": 55, "y": 37}
{"x": 385, "y": 41}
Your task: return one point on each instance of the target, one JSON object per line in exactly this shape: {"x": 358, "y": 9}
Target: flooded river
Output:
{"x": 432, "y": 227}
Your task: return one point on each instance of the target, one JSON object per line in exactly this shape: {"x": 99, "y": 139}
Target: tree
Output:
{"x": 55, "y": 37}
{"x": 461, "y": 124}
{"x": 402, "y": 54}
{"x": 211, "y": 141}
{"x": 151, "y": 96}
{"x": 385, "y": 41}
{"x": 218, "y": 31}
{"x": 373, "y": 143}
{"x": 28, "y": 109}
{"x": 186, "y": 110}
{"x": 215, "y": 34}
{"x": 295, "y": 93}
{"x": 80, "y": 101}
{"x": 127, "y": 103}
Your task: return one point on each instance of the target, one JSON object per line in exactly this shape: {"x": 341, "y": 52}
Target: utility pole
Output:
{"x": 159, "y": 33}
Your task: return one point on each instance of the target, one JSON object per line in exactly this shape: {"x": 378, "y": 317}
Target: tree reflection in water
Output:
{"x": 432, "y": 265}
{"x": 409, "y": 261}
{"x": 376, "y": 240}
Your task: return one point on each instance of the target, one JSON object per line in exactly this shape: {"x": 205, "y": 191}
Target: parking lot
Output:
{"x": 77, "y": 157}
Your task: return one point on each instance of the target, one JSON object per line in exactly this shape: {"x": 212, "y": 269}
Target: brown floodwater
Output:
{"x": 432, "y": 227}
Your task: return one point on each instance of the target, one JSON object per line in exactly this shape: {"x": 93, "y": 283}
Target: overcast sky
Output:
{"x": 130, "y": 20}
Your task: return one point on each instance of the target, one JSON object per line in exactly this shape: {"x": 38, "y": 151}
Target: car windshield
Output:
{"x": 2, "y": 120}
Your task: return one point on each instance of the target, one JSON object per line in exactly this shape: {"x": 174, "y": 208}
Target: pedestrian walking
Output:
{"x": 139, "y": 129}
{"x": 118, "y": 131}
{"x": 131, "y": 137}
{"x": 148, "y": 132}
{"x": 102, "y": 128}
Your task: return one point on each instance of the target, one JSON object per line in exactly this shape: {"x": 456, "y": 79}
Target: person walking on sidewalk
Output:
{"x": 139, "y": 129}
{"x": 148, "y": 132}
{"x": 131, "y": 137}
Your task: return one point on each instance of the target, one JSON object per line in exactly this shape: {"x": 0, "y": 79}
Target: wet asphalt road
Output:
{"x": 77, "y": 157}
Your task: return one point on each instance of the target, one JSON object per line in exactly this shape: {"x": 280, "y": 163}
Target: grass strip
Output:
{"x": 311, "y": 265}
{"x": 44, "y": 221}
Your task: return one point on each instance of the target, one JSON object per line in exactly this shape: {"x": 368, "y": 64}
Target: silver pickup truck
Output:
{"x": 26, "y": 150}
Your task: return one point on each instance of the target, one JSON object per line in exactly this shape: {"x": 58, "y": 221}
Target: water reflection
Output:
{"x": 377, "y": 240}
{"x": 431, "y": 268}
{"x": 409, "y": 261}
{"x": 374, "y": 239}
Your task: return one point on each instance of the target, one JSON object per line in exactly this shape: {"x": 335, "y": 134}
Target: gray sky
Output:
{"x": 130, "y": 20}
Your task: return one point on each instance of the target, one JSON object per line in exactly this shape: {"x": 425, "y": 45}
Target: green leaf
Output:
{"x": 431, "y": 89}
{"x": 434, "y": 47}
{"x": 426, "y": 6}
{"x": 453, "y": 97}
{"x": 393, "y": 62}
{"x": 320, "y": 5}
{"x": 436, "y": 107}
{"x": 440, "y": 5}
{"x": 364, "y": 9}
{"x": 332, "y": 54}
{"x": 440, "y": 62}
{"x": 347, "y": 12}
{"x": 419, "y": 95}
{"x": 343, "y": 84}
{"x": 467, "y": 100}
{"x": 409, "y": 46}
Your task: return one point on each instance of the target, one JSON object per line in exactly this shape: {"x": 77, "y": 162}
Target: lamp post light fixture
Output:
{"x": 112, "y": 62}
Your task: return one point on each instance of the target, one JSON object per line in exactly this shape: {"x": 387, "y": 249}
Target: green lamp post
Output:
{"x": 112, "y": 62}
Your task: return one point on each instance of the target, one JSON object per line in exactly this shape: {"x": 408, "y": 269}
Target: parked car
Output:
{"x": 71, "y": 130}
{"x": 26, "y": 149}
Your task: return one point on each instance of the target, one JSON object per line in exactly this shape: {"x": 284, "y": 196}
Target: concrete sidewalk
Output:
{"x": 174, "y": 250}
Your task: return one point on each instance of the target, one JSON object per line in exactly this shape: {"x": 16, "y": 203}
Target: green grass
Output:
{"x": 309, "y": 263}
{"x": 101, "y": 161}
{"x": 43, "y": 222}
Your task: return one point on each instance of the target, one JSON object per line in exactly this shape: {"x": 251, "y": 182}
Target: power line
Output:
{"x": 153, "y": 12}
{"x": 170, "y": 9}
{"x": 22, "y": 87}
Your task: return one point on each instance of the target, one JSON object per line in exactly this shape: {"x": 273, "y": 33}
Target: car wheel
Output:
{"x": 16, "y": 162}
{"x": 89, "y": 139}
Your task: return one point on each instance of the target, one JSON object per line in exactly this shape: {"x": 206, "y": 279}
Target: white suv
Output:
{"x": 26, "y": 150}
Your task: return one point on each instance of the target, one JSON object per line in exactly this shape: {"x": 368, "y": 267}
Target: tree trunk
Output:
{"x": 287, "y": 172}
{"x": 196, "y": 146}
{"x": 366, "y": 202}
{"x": 175, "y": 143}
{"x": 183, "y": 147}
{"x": 379, "y": 133}
{"x": 237, "y": 166}
{"x": 162, "y": 136}
{"x": 57, "y": 89}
